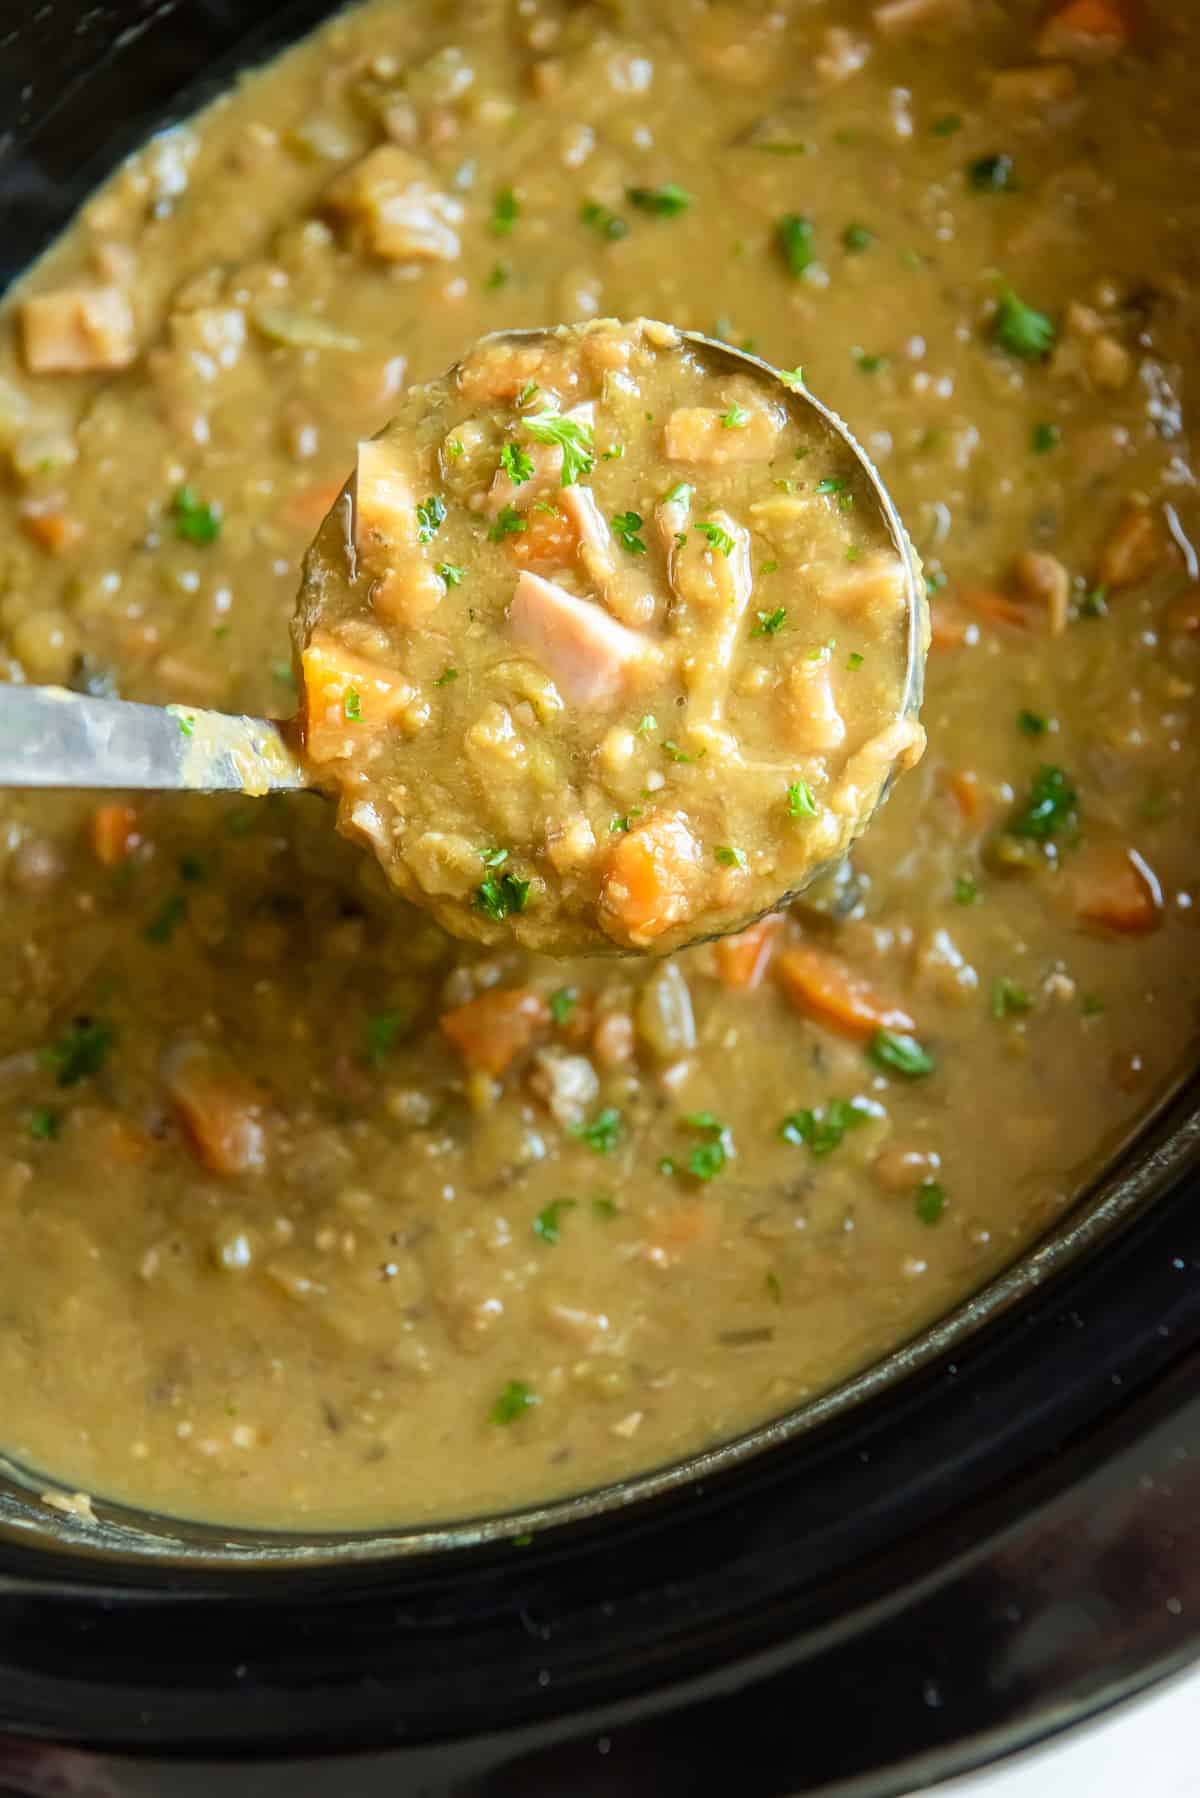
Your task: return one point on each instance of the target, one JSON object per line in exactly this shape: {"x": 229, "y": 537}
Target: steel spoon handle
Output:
{"x": 53, "y": 738}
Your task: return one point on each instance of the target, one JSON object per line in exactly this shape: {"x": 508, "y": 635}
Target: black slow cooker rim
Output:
{"x": 498, "y": 1668}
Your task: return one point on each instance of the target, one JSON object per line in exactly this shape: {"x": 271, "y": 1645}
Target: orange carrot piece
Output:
{"x": 742, "y": 960}
{"x": 688, "y": 1224}
{"x": 820, "y": 984}
{"x": 1085, "y": 29}
{"x": 548, "y": 537}
{"x": 1133, "y": 549}
{"x": 998, "y": 608}
{"x": 345, "y": 696}
{"x": 491, "y": 1031}
{"x": 950, "y": 628}
{"x": 650, "y": 880}
{"x": 120, "y": 1140}
{"x": 114, "y": 834}
{"x": 219, "y": 1110}
{"x": 50, "y": 526}
{"x": 967, "y": 791}
{"x": 305, "y": 510}
{"x": 1110, "y": 886}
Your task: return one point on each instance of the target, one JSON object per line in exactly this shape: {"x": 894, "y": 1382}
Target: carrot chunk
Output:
{"x": 113, "y": 833}
{"x": 48, "y": 524}
{"x": 549, "y": 539}
{"x": 305, "y": 510}
{"x": 1085, "y": 31}
{"x": 743, "y": 960}
{"x": 345, "y": 696}
{"x": 491, "y": 1031}
{"x": 219, "y": 1110}
{"x": 998, "y": 608}
{"x": 650, "y": 881}
{"x": 1112, "y": 887}
{"x": 1132, "y": 550}
{"x": 823, "y": 987}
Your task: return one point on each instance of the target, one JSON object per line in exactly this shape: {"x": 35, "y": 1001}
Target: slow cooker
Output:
{"x": 989, "y": 1537}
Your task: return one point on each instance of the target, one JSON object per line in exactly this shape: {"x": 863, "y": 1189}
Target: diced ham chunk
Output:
{"x": 590, "y": 657}
{"x": 407, "y": 587}
{"x": 78, "y": 330}
{"x": 394, "y": 209}
{"x": 702, "y": 434}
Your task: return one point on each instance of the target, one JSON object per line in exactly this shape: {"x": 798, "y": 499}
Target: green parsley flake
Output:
{"x": 167, "y": 919}
{"x": 947, "y": 125}
{"x": 184, "y": 720}
{"x": 1020, "y": 330}
{"x": 707, "y": 1159}
{"x": 800, "y": 801}
{"x": 1008, "y": 999}
{"x": 646, "y": 723}
{"x": 607, "y": 223}
{"x": 352, "y": 705}
{"x": 573, "y": 438}
{"x": 284, "y": 674}
{"x": 869, "y": 363}
{"x": 603, "y": 1206}
{"x": 930, "y": 1201}
{"x": 517, "y": 463}
{"x": 1032, "y": 723}
{"x": 506, "y": 210}
{"x": 446, "y": 677}
{"x": 431, "y": 515}
{"x": 992, "y": 175}
{"x": 729, "y": 857}
{"x": 499, "y": 276}
{"x": 672, "y": 749}
{"x": 455, "y": 446}
{"x": 1044, "y": 438}
{"x": 196, "y": 519}
{"x": 562, "y": 1003}
{"x": 452, "y": 574}
{"x": 548, "y": 1222}
{"x": 614, "y": 453}
{"x": 503, "y": 897}
{"x": 1094, "y": 603}
{"x": 716, "y": 537}
{"x": 854, "y": 660}
{"x": 822, "y": 1130}
{"x": 794, "y": 237}
{"x": 966, "y": 890}
{"x": 80, "y": 1051}
{"x": 508, "y": 522}
{"x": 604, "y": 1131}
{"x": 665, "y": 202}
{"x": 1051, "y": 805}
{"x": 381, "y": 1032}
{"x": 792, "y": 377}
{"x": 770, "y": 623}
{"x": 493, "y": 858}
{"x": 627, "y": 525}
{"x": 774, "y": 1289}
{"x": 45, "y": 1123}
{"x": 897, "y": 1053}
{"x": 857, "y": 238}
{"x": 830, "y": 484}
{"x": 513, "y": 1402}
{"x": 736, "y": 419}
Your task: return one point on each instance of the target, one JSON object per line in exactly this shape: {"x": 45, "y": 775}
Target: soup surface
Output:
{"x": 312, "y": 1214}
{"x": 573, "y": 726}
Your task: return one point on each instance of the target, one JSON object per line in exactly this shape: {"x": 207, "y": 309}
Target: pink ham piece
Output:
{"x": 590, "y": 657}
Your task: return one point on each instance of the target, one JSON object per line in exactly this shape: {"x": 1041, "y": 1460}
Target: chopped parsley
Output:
{"x": 897, "y": 1053}
{"x": 572, "y": 437}
{"x": 562, "y": 1003}
{"x": 627, "y": 525}
{"x": 506, "y": 210}
{"x": 1032, "y": 723}
{"x": 706, "y": 1160}
{"x": 431, "y": 515}
{"x": 966, "y": 890}
{"x": 45, "y": 1123}
{"x": 455, "y": 446}
{"x": 1044, "y": 438}
{"x": 992, "y": 175}
{"x": 527, "y": 393}
{"x": 614, "y": 453}
{"x": 716, "y": 537}
{"x": 774, "y": 1289}
{"x": 824, "y": 1128}
{"x": 452, "y": 574}
{"x": 508, "y": 522}
{"x": 604, "y": 1131}
{"x": 517, "y": 463}
{"x": 80, "y": 1051}
{"x": 283, "y": 673}
{"x": 736, "y": 419}
{"x": 548, "y": 1222}
{"x": 830, "y": 484}
{"x": 729, "y": 857}
{"x": 352, "y": 705}
{"x": 607, "y": 223}
{"x": 499, "y": 275}
{"x": 185, "y": 721}
{"x": 1021, "y": 330}
{"x": 671, "y": 748}
{"x": 1050, "y": 806}
{"x": 800, "y": 801}
{"x": 947, "y": 125}
{"x": 513, "y": 1402}
{"x": 680, "y": 494}
{"x": 770, "y": 623}
{"x": 196, "y": 520}
{"x": 1094, "y": 603}
{"x": 854, "y": 660}
{"x": 794, "y": 237}
{"x": 857, "y": 238}
{"x": 502, "y": 897}
{"x": 446, "y": 677}
{"x": 646, "y": 723}
{"x": 1008, "y": 999}
{"x": 167, "y": 919}
{"x": 493, "y": 858}
{"x": 930, "y": 1201}
{"x": 381, "y": 1031}
{"x": 666, "y": 202}
{"x": 603, "y": 1206}
{"x": 868, "y": 362}
{"x": 792, "y": 377}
